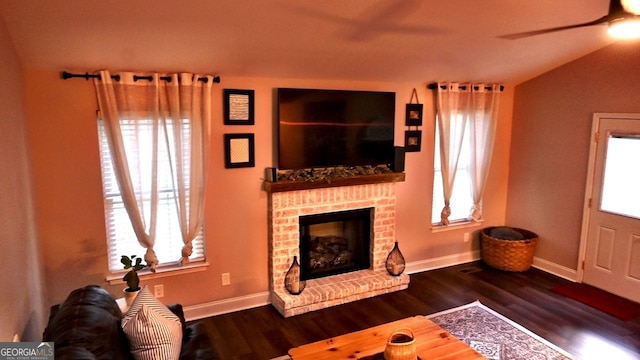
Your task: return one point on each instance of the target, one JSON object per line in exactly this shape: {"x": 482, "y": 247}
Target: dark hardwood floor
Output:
{"x": 526, "y": 298}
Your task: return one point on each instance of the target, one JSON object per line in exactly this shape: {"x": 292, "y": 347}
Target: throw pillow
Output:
{"x": 154, "y": 332}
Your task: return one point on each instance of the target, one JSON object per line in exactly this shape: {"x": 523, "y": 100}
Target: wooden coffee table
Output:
{"x": 432, "y": 342}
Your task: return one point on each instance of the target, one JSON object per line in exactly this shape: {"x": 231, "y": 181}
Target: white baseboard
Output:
{"x": 441, "y": 262}
{"x": 555, "y": 269}
{"x": 201, "y": 311}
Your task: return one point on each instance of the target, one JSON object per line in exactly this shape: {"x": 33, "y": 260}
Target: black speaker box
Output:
{"x": 398, "y": 159}
{"x": 271, "y": 174}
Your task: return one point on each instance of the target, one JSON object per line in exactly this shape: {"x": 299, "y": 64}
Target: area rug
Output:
{"x": 495, "y": 336}
{"x": 611, "y": 304}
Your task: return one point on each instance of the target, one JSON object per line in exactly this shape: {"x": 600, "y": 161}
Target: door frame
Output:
{"x": 586, "y": 207}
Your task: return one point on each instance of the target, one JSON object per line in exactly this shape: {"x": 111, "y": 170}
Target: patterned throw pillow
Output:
{"x": 154, "y": 332}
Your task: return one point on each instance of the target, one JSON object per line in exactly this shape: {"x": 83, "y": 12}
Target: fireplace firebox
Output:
{"x": 335, "y": 243}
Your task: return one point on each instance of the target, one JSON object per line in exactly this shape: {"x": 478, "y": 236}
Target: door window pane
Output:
{"x": 621, "y": 189}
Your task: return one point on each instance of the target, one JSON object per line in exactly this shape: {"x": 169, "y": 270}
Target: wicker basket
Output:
{"x": 509, "y": 255}
{"x": 401, "y": 345}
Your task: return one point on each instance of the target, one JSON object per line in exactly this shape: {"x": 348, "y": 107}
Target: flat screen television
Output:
{"x": 331, "y": 128}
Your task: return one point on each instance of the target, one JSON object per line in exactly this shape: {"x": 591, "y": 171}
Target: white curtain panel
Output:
{"x": 460, "y": 107}
{"x": 482, "y": 125}
{"x": 453, "y": 102}
{"x": 189, "y": 102}
{"x": 178, "y": 112}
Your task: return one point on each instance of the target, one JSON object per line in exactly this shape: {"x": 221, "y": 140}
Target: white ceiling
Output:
{"x": 387, "y": 40}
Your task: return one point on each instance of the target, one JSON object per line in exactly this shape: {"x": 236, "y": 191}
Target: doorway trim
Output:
{"x": 586, "y": 207}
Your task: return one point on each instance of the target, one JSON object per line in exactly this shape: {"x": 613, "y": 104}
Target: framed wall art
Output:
{"x": 412, "y": 140}
{"x": 414, "y": 111}
{"x": 238, "y": 107}
{"x": 239, "y": 151}
{"x": 414, "y": 115}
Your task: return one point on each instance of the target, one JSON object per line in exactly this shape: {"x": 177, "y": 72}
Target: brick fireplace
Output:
{"x": 285, "y": 208}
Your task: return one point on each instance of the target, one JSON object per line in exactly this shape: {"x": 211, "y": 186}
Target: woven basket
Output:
{"x": 508, "y": 255}
{"x": 401, "y": 345}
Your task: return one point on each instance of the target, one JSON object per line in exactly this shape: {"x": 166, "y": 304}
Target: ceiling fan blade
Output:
{"x": 603, "y": 20}
{"x": 616, "y": 11}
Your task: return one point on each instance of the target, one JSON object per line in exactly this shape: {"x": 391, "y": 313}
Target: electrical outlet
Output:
{"x": 226, "y": 279}
{"x": 158, "y": 291}
{"x": 467, "y": 237}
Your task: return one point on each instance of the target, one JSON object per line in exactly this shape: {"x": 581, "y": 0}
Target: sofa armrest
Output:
{"x": 196, "y": 343}
{"x": 87, "y": 322}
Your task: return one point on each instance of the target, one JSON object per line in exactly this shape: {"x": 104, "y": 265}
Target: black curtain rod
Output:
{"x": 67, "y": 75}
{"x": 434, "y": 86}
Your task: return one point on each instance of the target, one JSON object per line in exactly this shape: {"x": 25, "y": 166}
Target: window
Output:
{"x": 620, "y": 191}
{"x": 121, "y": 239}
{"x": 461, "y": 200}
{"x": 467, "y": 117}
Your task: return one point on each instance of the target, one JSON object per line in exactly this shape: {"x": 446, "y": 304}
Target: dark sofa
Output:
{"x": 87, "y": 326}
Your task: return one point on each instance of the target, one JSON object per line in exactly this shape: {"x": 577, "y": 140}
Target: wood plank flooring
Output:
{"x": 526, "y": 298}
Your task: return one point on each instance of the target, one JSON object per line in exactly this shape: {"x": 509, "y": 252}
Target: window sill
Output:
{"x": 435, "y": 228}
{"x": 161, "y": 272}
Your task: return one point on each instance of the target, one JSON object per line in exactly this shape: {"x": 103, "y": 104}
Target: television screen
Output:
{"x": 329, "y": 128}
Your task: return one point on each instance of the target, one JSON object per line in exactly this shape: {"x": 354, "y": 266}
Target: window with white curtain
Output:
{"x": 461, "y": 197}
{"x": 466, "y": 122}
{"x": 120, "y": 234}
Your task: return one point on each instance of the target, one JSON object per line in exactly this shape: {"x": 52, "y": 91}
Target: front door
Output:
{"x": 612, "y": 254}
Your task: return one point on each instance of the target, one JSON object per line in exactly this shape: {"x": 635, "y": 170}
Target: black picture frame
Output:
{"x": 412, "y": 140}
{"x": 414, "y": 115}
{"x": 239, "y": 151}
{"x": 238, "y": 107}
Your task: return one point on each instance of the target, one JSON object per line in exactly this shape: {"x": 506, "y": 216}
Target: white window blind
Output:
{"x": 121, "y": 238}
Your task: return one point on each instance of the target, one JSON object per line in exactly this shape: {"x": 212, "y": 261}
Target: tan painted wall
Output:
{"x": 21, "y": 290}
{"x": 61, "y": 123}
{"x": 550, "y": 143}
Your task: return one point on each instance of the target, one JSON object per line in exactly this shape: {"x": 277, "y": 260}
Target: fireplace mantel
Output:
{"x": 280, "y": 186}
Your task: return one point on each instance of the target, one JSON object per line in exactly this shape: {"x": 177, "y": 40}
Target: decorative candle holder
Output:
{"x": 395, "y": 261}
{"x": 292, "y": 281}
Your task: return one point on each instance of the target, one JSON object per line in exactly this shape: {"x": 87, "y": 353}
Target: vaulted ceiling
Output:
{"x": 387, "y": 40}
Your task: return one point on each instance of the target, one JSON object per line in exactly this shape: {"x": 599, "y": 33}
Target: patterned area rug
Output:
{"x": 495, "y": 336}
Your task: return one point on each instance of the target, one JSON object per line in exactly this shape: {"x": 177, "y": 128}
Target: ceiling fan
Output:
{"x": 621, "y": 12}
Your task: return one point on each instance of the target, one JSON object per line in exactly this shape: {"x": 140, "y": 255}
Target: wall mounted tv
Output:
{"x": 330, "y": 128}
